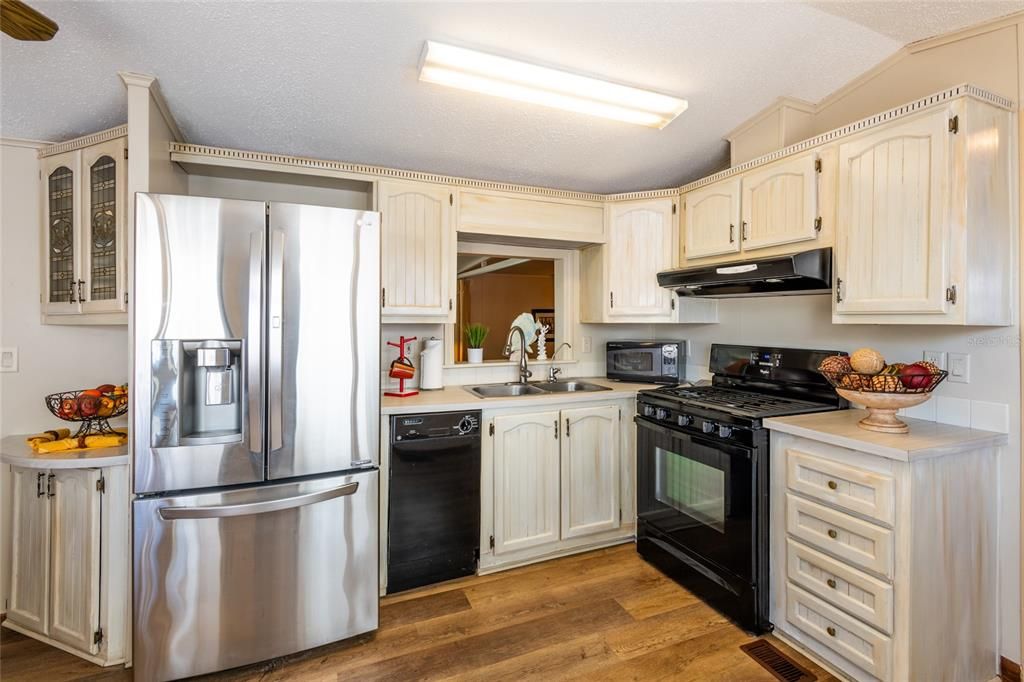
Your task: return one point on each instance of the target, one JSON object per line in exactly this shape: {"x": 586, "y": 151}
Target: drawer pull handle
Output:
{"x": 831, "y": 631}
{"x": 831, "y": 583}
{"x": 832, "y": 485}
{"x": 832, "y": 533}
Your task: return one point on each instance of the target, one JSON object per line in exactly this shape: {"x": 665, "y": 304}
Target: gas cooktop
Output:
{"x": 743, "y": 403}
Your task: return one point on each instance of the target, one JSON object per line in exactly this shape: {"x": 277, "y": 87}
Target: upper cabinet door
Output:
{"x": 780, "y": 203}
{"x": 893, "y": 218}
{"x": 526, "y": 472}
{"x": 75, "y": 572}
{"x": 103, "y": 234}
{"x": 713, "y": 220}
{"x": 61, "y": 289}
{"x": 641, "y": 242}
{"x": 30, "y": 550}
{"x": 417, "y": 250}
{"x": 590, "y": 470}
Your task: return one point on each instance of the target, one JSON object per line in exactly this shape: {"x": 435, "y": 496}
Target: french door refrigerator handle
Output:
{"x": 254, "y": 342}
{"x": 276, "y": 350}
{"x": 227, "y": 510}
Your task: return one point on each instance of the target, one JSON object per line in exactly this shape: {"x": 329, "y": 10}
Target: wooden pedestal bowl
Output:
{"x": 882, "y": 408}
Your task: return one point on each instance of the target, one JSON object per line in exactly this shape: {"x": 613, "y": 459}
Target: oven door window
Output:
{"x": 698, "y": 494}
{"x": 691, "y": 487}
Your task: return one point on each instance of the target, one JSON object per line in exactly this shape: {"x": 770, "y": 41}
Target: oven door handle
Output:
{"x": 727, "y": 448}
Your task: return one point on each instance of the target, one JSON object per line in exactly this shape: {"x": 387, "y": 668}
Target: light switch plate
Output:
{"x": 936, "y": 358}
{"x": 960, "y": 368}
{"x": 588, "y": 344}
{"x": 9, "y": 359}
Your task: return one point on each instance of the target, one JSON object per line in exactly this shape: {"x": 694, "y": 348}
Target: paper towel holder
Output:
{"x": 432, "y": 365}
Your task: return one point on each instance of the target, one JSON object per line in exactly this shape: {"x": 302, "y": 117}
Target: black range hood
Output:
{"x": 809, "y": 272}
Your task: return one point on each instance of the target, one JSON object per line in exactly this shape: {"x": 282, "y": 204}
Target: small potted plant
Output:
{"x": 475, "y": 335}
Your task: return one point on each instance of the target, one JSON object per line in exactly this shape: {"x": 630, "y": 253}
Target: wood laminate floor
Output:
{"x": 603, "y": 615}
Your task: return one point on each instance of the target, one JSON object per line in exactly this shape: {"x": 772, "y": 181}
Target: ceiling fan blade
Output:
{"x": 20, "y": 21}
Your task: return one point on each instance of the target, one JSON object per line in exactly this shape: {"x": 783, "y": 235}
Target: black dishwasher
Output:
{"x": 433, "y": 498}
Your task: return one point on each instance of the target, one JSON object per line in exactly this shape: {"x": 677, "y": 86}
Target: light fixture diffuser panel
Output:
{"x": 466, "y": 69}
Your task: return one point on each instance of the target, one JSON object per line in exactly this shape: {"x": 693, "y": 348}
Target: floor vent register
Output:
{"x": 777, "y": 663}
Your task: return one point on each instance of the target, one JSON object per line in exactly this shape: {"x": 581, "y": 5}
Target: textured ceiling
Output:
{"x": 339, "y": 80}
{"x": 913, "y": 20}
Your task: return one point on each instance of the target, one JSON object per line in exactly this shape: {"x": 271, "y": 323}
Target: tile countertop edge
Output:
{"x": 14, "y": 450}
{"x": 926, "y": 438}
{"x": 452, "y": 398}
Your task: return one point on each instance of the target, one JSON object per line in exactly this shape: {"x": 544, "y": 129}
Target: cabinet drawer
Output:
{"x": 860, "y": 543}
{"x": 858, "y": 643}
{"x": 862, "y": 492}
{"x": 857, "y": 593}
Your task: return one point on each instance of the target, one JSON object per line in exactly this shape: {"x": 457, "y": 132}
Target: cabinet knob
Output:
{"x": 832, "y": 485}
{"x": 831, "y": 583}
{"x": 832, "y": 533}
{"x": 831, "y": 631}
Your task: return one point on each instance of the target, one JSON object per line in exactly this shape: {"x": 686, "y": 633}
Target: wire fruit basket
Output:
{"x": 884, "y": 394}
{"x": 90, "y": 408}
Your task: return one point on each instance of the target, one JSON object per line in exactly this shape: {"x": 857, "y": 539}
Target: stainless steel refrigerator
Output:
{"x": 255, "y": 430}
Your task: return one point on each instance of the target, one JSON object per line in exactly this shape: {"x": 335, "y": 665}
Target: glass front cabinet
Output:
{"x": 84, "y": 260}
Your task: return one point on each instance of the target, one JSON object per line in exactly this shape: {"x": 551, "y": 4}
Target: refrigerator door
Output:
{"x": 230, "y": 578}
{"x": 197, "y": 330}
{"x": 323, "y": 344}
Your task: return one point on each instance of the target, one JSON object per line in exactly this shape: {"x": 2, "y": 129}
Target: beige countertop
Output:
{"x": 458, "y": 398}
{"x": 926, "y": 439}
{"x": 14, "y": 450}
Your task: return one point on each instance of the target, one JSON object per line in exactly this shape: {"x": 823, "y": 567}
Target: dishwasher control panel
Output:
{"x": 436, "y": 425}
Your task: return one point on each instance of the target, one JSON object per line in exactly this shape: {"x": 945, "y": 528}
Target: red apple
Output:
{"x": 916, "y": 376}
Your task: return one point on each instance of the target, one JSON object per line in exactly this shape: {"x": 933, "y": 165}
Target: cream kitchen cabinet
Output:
{"x": 528, "y": 218}
{"x": 926, "y": 220}
{"x": 883, "y": 550}
{"x": 555, "y": 481}
{"x": 774, "y": 207}
{"x": 418, "y": 251}
{"x": 712, "y": 220}
{"x": 69, "y": 557}
{"x": 619, "y": 280}
{"x": 83, "y": 238}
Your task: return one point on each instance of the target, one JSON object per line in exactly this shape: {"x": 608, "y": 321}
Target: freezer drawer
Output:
{"x": 229, "y": 578}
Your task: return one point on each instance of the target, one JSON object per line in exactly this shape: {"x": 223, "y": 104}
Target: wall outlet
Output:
{"x": 960, "y": 368}
{"x": 588, "y": 344}
{"x": 9, "y": 359}
{"x": 936, "y": 358}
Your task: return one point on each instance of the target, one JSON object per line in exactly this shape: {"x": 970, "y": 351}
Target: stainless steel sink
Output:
{"x": 504, "y": 390}
{"x": 570, "y": 386}
{"x": 514, "y": 390}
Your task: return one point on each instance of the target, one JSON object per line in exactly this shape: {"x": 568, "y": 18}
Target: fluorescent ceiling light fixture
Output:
{"x": 489, "y": 74}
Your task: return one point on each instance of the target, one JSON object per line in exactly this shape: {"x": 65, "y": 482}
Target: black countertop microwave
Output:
{"x": 657, "y": 362}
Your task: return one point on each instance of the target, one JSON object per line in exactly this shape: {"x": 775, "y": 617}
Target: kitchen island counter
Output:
{"x": 14, "y": 450}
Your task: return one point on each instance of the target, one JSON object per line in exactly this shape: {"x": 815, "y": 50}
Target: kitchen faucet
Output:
{"x": 524, "y": 373}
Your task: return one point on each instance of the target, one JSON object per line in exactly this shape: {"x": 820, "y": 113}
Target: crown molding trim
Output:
{"x": 23, "y": 142}
{"x": 963, "y": 90}
{"x": 84, "y": 141}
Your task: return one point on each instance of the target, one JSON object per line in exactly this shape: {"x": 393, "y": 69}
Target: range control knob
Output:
{"x": 724, "y": 431}
{"x": 707, "y": 427}
{"x": 661, "y": 413}
{"x": 466, "y": 425}
{"x": 648, "y": 411}
{"x": 684, "y": 420}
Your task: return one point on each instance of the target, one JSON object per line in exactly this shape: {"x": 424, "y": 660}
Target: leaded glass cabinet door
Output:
{"x": 60, "y": 267}
{"x": 103, "y": 234}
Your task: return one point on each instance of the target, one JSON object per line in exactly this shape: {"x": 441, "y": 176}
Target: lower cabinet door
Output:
{"x": 590, "y": 470}
{"x": 75, "y": 561}
{"x": 526, "y": 471}
{"x": 30, "y": 550}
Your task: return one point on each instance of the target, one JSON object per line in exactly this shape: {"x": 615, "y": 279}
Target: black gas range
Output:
{"x": 702, "y": 471}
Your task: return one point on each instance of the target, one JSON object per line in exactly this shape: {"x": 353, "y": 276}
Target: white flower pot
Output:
{"x": 476, "y": 355}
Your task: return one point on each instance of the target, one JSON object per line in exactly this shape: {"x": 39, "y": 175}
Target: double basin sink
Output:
{"x": 540, "y": 388}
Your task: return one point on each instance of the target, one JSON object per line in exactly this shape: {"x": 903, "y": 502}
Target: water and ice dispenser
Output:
{"x": 197, "y": 392}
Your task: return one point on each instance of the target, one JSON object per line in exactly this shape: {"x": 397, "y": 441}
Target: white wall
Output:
{"x": 51, "y": 358}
